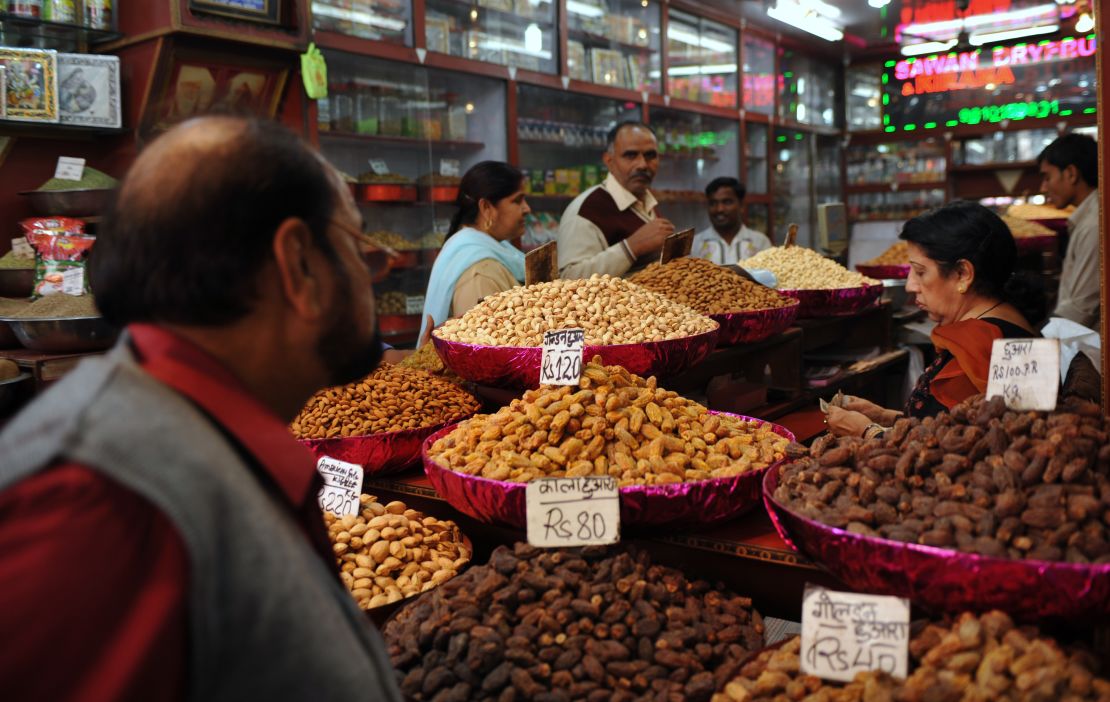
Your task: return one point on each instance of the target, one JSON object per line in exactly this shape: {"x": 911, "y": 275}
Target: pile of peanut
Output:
{"x": 389, "y": 552}
{"x": 799, "y": 268}
{"x": 392, "y": 302}
{"x": 1025, "y": 229}
{"x": 389, "y": 399}
{"x": 896, "y": 255}
{"x": 975, "y": 658}
{"x": 613, "y": 423}
{"x": 610, "y": 310}
{"x": 426, "y": 359}
{"x": 392, "y": 240}
{"x": 708, "y": 288}
{"x": 583, "y": 625}
{"x": 981, "y": 479}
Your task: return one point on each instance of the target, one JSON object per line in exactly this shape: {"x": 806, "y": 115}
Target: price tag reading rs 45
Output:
{"x": 573, "y": 511}
{"x": 1026, "y": 373}
{"x": 561, "y": 363}
{"x": 342, "y": 486}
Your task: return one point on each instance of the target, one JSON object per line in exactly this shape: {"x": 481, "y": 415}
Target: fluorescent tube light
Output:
{"x": 698, "y": 70}
{"x": 989, "y": 37}
{"x": 584, "y": 10}
{"x": 810, "y": 21}
{"x": 502, "y": 45}
{"x": 691, "y": 39}
{"x": 366, "y": 18}
{"x": 928, "y": 47}
{"x": 997, "y": 18}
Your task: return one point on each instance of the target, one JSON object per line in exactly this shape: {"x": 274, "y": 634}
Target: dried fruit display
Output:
{"x": 389, "y": 399}
{"x": 613, "y": 423}
{"x": 571, "y": 625}
{"x": 981, "y": 479}
{"x": 1026, "y": 229}
{"x": 897, "y": 255}
{"x": 388, "y": 552}
{"x": 426, "y": 359}
{"x": 799, "y": 268}
{"x": 707, "y": 288}
{"x": 975, "y": 658}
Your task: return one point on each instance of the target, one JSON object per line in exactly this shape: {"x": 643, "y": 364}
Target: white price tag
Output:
{"x": 342, "y": 486}
{"x": 414, "y": 305}
{"x": 379, "y": 166}
{"x": 21, "y": 248}
{"x": 449, "y": 167}
{"x": 70, "y": 168}
{"x": 844, "y": 633}
{"x": 1025, "y": 372}
{"x": 73, "y": 281}
{"x": 573, "y": 511}
{"x": 561, "y": 363}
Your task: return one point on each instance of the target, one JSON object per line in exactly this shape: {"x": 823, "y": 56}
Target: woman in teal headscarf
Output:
{"x": 478, "y": 258}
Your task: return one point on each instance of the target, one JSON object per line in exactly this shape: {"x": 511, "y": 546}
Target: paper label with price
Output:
{"x": 73, "y": 281}
{"x": 573, "y": 511}
{"x": 379, "y": 166}
{"x": 342, "y": 486}
{"x": 449, "y": 167}
{"x": 1025, "y": 372}
{"x": 561, "y": 363}
{"x": 22, "y": 249}
{"x": 69, "y": 168}
{"x": 844, "y": 633}
{"x": 414, "y": 305}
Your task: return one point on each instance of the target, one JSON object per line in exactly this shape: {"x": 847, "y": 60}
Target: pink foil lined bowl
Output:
{"x": 835, "y": 302}
{"x": 697, "y": 503}
{"x": 1035, "y": 244}
{"x": 940, "y": 579}
{"x": 519, "y": 366}
{"x": 378, "y": 454}
{"x": 755, "y": 325}
{"x": 886, "y": 272}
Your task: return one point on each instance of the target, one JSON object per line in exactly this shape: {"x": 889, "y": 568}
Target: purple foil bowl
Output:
{"x": 940, "y": 579}
{"x": 887, "y": 272}
{"x": 699, "y": 503}
{"x": 836, "y": 302}
{"x": 378, "y": 454}
{"x": 519, "y": 366}
{"x": 1036, "y": 244}
{"x": 756, "y": 325}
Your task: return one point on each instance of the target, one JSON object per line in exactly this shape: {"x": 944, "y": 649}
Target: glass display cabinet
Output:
{"x": 381, "y": 20}
{"x": 701, "y": 60}
{"x": 756, "y": 151}
{"x": 896, "y": 206}
{"x": 793, "y": 176}
{"x": 759, "y": 74}
{"x": 521, "y": 33}
{"x": 1004, "y": 147}
{"x": 614, "y": 43}
{"x": 403, "y": 135}
{"x": 922, "y": 161}
{"x": 863, "y": 98}
{"x": 807, "y": 89}
{"x": 827, "y": 180}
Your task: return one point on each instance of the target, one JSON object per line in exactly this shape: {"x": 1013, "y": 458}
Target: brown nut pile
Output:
{"x": 981, "y": 479}
{"x": 392, "y": 240}
{"x": 1024, "y": 229}
{"x": 389, "y": 552}
{"x": 392, "y": 302}
{"x": 708, "y": 288}
{"x": 610, "y": 310}
{"x": 389, "y": 399}
{"x": 896, "y": 255}
{"x": 799, "y": 268}
{"x": 556, "y": 626}
{"x": 976, "y": 658}
{"x": 614, "y": 423}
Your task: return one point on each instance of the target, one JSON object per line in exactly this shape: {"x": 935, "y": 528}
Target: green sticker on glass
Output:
{"x": 314, "y": 71}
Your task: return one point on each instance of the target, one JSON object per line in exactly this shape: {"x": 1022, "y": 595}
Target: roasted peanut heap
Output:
{"x": 389, "y": 399}
{"x": 610, "y": 311}
{"x": 799, "y": 268}
{"x": 977, "y": 658}
{"x": 1024, "y": 229}
{"x": 708, "y": 288}
{"x": 614, "y": 423}
{"x": 426, "y": 359}
{"x": 547, "y": 625}
{"x": 896, "y": 255}
{"x": 389, "y": 552}
{"x": 981, "y": 479}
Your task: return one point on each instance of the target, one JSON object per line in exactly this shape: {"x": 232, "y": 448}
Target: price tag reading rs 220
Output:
{"x": 573, "y": 511}
{"x": 561, "y": 363}
{"x": 342, "y": 486}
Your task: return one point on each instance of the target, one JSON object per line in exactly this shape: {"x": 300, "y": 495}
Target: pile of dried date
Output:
{"x": 981, "y": 479}
{"x": 584, "y": 624}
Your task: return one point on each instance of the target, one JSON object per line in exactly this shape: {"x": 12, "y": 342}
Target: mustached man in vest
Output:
{"x": 160, "y": 537}
{"x": 613, "y": 227}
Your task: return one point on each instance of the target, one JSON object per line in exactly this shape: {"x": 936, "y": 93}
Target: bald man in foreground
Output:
{"x": 159, "y": 532}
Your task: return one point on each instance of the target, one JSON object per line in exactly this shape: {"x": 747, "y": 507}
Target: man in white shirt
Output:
{"x": 728, "y": 240}
{"x": 613, "y": 227}
{"x": 1069, "y": 168}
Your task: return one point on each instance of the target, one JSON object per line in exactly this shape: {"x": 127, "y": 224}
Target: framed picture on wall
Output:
{"x": 89, "y": 90}
{"x": 263, "y": 11}
{"x": 31, "y": 84}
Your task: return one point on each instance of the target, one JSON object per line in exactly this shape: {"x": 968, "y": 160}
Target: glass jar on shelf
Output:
{"x": 342, "y": 101}
{"x": 367, "y": 109}
{"x": 392, "y": 113}
{"x": 702, "y": 60}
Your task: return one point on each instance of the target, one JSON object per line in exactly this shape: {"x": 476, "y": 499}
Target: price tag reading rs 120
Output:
{"x": 342, "y": 486}
{"x": 573, "y": 511}
{"x": 1025, "y": 372}
{"x": 561, "y": 363}
{"x": 844, "y": 633}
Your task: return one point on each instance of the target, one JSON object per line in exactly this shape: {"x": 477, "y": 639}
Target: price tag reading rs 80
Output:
{"x": 561, "y": 363}
{"x": 573, "y": 511}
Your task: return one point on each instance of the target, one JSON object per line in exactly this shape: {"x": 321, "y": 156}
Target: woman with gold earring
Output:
{"x": 478, "y": 258}
{"x": 962, "y": 259}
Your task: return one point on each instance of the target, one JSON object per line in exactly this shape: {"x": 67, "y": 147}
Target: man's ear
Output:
{"x": 302, "y": 268}
{"x": 1071, "y": 174}
{"x": 607, "y": 159}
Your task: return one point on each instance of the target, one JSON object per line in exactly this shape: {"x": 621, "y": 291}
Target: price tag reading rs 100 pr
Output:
{"x": 561, "y": 363}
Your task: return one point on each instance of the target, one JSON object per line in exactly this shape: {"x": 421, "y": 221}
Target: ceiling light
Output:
{"x": 987, "y": 38}
{"x": 1085, "y": 23}
{"x": 809, "y": 21}
{"x": 928, "y": 47}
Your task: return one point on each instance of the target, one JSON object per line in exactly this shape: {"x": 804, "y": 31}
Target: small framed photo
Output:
{"x": 89, "y": 90}
{"x": 263, "y": 11}
{"x": 31, "y": 84}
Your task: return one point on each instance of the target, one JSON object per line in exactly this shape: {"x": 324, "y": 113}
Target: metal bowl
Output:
{"x": 8, "y": 339}
{"x": 894, "y": 290}
{"x": 17, "y": 282}
{"x": 12, "y": 392}
{"x": 69, "y": 203}
{"x": 64, "y": 334}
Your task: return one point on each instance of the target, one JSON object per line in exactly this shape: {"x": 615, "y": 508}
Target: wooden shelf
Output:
{"x": 894, "y": 187}
{"x": 20, "y": 31}
{"x": 1004, "y": 166}
{"x": 511, "y": 17}
{"x": 50, "y": 130}
{"x": 559, "y": 144}
{"x": 413, "y": 142}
